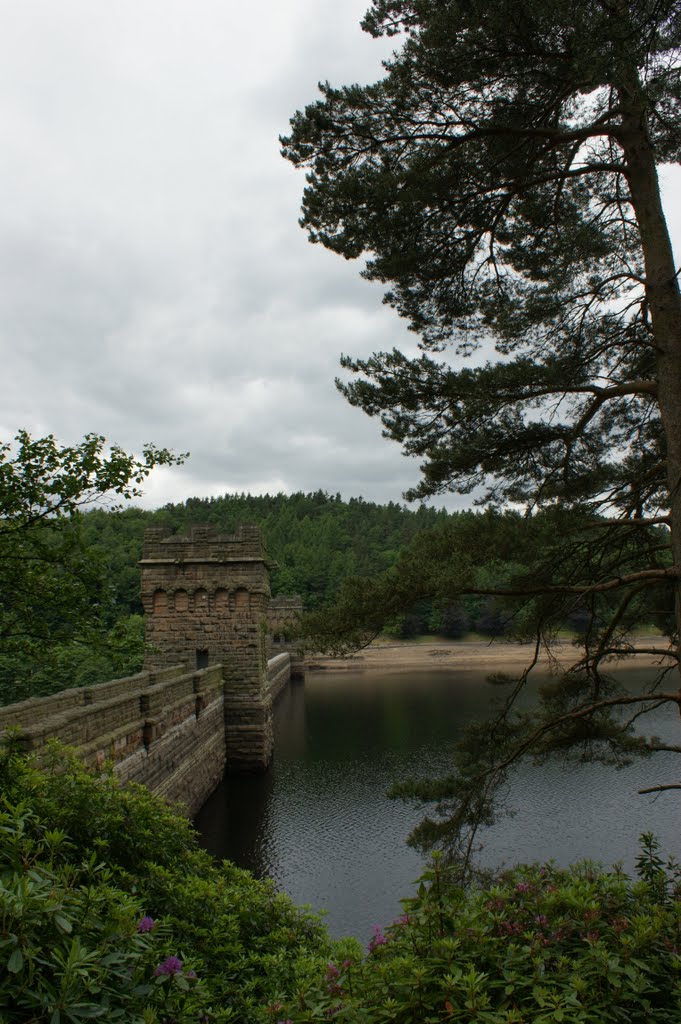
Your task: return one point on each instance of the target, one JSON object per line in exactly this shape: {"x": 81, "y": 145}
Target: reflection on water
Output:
{"x": 319, "y": 822}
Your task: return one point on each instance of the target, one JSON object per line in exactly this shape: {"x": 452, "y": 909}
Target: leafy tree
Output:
{"x": 502, "y": 180}
{"x": 54, "y": 590}
{"x": 451, "y": 620}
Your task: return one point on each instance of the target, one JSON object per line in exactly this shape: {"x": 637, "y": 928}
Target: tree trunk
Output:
{"x": 664, "y": 304}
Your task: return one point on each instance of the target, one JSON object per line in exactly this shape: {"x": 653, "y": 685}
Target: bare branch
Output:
{"x": 573, "y": 716}
{"x": 657, "y": 652}
{"x": 633, "y": 521}
{"x": 650, "y": 576}
{"x": 660, "y": 789}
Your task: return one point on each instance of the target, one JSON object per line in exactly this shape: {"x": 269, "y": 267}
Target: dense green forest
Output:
{"x": 317, "y": 540}
{"x": 320, "y": 544}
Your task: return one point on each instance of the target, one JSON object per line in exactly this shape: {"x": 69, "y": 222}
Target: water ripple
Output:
{"x": 319, "y": 821}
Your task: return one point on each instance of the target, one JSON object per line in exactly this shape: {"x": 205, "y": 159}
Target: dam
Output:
{"x": 216, "y": 660}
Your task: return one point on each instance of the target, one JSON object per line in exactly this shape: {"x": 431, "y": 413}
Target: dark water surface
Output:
{"x": 319, "y": 822}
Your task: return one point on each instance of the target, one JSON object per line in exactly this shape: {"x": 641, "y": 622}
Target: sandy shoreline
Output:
{"x": 496, "y": 656}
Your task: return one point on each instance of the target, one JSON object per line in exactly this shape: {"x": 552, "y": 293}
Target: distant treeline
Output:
{"x": 317, "y": 541}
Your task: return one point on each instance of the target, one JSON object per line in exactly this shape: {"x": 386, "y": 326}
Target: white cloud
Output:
{"x": 154, "y": 283}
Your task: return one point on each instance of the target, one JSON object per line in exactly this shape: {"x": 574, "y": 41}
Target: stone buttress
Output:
{"x": 206, "y": 598}
{"x": 284, "y": 613}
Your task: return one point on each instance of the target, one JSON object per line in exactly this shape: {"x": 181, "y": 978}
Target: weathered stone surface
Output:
{"x": 278, "y": 674}
{"x": 179, "y": 751}
{"x": 285, "y": 611}
{"x": 206, "y": 597}
{"x": 204, "y": 700}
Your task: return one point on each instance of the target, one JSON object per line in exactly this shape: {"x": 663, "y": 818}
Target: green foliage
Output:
{"x": 662, "y": 876}
{"x": 501, "y": 573}
{"x": 71, "y": 945}
{"x": 109, "y": 910}
{"x": 315, "y": 540}
{"x": 99, "y": 654}
{"x": 319, "y": 543}
{"x": 82, "y": 861}
{"x": 526, "y": 576}
{"x": 577, "y": 946}
{"x": 41, "y": 481}
{"x": 501, "y": 179}
{"x": 56, "y": 600}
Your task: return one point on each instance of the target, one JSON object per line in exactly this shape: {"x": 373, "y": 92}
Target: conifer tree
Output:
{"x": 502, "y": 180}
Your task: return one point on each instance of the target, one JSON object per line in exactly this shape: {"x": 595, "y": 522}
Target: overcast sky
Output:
{"x": 154, "y": 283}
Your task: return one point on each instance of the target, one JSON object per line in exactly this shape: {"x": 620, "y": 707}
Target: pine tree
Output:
{"x": 502, "y": 180}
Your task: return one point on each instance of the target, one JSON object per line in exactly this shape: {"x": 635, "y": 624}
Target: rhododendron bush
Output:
{"x": 542, "y": 945}
{"x": 109, "y": 910}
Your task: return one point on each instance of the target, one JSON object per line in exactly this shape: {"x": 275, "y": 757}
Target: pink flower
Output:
{"x": 332, "y": 974}
{"x": 169, "y": 966}
{"x": 147, "y": 924}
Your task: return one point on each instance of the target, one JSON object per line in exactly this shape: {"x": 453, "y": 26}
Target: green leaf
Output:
{"x": 85, "y": 1011}
{"x": 15, "y": 962}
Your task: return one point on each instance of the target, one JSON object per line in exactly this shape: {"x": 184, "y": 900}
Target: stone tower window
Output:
{"x": 159, "y": 603}
{"x": 181, "y": 601}
{"x": 201, "y": 601}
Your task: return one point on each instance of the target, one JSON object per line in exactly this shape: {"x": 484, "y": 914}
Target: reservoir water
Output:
{"x": 320, "y": 824}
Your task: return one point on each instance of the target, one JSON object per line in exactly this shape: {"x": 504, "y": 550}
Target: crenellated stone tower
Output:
{"x": 206, "y": 598}
{"x": 285, "y": 611}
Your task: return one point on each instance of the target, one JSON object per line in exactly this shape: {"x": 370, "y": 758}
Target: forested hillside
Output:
{"x": 317, "y": 540}
{"x": 319, "y": 543}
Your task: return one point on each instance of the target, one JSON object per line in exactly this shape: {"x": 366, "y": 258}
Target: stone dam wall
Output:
{"x": 166, "y": 729}
{"x": 217, "y": 658}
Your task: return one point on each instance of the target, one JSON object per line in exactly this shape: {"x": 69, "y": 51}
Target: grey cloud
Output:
{"x": 154, "y": 284}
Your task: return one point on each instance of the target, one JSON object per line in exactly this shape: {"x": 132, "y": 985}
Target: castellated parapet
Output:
{"x": 284, "y": 613}
{"x": 206, "y": 598}
{"x": 204, "y": 700}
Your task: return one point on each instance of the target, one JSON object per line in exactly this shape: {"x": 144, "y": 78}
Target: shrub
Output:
{"x": 109, "y": 910}
{"x": 75, "y": 946}
{"x": 543, "y": 945}
{"x": 84, "y": 860}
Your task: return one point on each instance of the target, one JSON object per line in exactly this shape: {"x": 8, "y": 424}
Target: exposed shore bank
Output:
{"x": 493, "y": 656}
